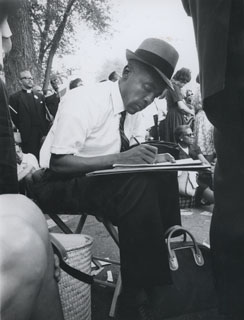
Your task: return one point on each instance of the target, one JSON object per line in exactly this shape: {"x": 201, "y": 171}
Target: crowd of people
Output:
{"x": 181, "y": 107}
{"x": 73, "y": 132}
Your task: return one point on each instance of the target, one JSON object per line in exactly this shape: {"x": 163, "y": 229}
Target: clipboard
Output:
{"x": 179, "y": 165}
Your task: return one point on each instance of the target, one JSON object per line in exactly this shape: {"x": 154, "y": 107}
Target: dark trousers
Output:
{"x": 225, "y": 110}
{"x": 227, "y": 227}
{"x": 221, "y": 61}
{"x": 143, "y": 206}
{"x": 33, "y": 143}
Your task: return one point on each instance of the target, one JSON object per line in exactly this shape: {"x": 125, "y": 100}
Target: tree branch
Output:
{"x": 44, "y": 35}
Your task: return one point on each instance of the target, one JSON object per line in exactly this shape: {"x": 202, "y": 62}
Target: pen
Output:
{"x": 136, "y": 140}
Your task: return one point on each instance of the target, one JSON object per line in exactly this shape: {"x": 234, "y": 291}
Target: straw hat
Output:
{"x": 159, "y": 55}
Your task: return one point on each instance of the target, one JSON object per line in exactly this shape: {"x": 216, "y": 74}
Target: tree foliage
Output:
{"x": 53, "y": 24}
{"x": 110, "y": 66}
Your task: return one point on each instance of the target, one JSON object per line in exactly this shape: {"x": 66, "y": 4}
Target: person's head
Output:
{"x": 19, "y": 151}
{"x": 26, "y": 80}
{"x": 47, "y": 92}
{"x": 75, "y": 83}
{"x": 147, "y": 74}
{"x": 184, "y": 135}
{"x": 198, "y": 79}
{"x": 114, "y": 76}
{"x": 189, "y": 96}
{"x": 54, "y": 80}
{"x": 182, "y": 77}
{"x": 37, "y": 89}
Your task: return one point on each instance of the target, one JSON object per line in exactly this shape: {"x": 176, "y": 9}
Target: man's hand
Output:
{"x": 164, "y": 157}
{"x": 57, "y": 270}
{"x": 140, "y": 154}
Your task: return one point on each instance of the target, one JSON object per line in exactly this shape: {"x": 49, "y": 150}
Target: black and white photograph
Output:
{"x": 121, "y": 154}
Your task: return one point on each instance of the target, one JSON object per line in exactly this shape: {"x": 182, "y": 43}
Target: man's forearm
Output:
{"x": 75, "y": 165}
{"x": 70, "y": 164}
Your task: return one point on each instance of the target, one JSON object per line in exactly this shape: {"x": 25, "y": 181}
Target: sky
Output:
{"x": 132, "y": 22}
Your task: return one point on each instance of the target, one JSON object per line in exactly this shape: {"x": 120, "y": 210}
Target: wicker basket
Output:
{"x": 75, "y": 295}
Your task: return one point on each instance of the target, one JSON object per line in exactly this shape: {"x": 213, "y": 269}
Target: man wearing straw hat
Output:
{"x": 87, "y": 135}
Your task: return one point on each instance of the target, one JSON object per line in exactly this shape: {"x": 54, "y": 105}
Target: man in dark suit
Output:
{"x": 219, "y": 32}
{"x": 29, "y": 114}
{"x": 53, "y": 100}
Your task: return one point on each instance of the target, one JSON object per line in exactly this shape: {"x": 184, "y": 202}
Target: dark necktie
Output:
{"x": 124, "y": 140}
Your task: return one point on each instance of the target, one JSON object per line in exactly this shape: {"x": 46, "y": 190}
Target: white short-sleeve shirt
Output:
{"x": 87, "y": 123}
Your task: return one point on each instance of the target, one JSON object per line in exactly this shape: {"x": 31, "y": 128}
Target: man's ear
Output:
{"x": 126, "y": 72}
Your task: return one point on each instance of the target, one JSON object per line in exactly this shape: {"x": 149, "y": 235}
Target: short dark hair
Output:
{"x": 113, "y": 76}
{"x": 198, "y": 78}
{"x": 183, "y": 74}
{"x": 180, "y": 130}
{"x": 73, "y": 83}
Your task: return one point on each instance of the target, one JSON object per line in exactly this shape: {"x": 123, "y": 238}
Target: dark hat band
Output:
{"x": 156, "y": 61}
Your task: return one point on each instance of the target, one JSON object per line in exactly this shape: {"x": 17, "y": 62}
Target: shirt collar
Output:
{"x": 27, "y": 90}
{"x": 116, "y": 98}
{"x": 186, "y": 149}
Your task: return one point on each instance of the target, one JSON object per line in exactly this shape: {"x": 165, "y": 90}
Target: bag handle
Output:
{"x": 173, "y": 228}
{"x": 59, "y": 249}
{"x": 173, "y": 261}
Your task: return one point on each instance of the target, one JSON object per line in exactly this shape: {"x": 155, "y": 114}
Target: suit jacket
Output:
{"x": 52, "y": 103}
{"x": 31, "y": 112}
{"x": 211, "y": 21}
{"x": 219, "y": 33}
{"x": 8, "y": 167}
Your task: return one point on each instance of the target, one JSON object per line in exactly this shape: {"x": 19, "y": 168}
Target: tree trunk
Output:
{"x": 48, "y": 69}
{"x": 22, "y": 56}
{"x": 55, "y": 42}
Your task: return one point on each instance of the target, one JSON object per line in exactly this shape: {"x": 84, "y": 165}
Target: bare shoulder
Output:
{"x": 20, "y": 215}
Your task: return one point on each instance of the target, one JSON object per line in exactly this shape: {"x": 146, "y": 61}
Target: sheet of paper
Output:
{"x": 206, "y": 213}
{"x": 97, "y": 271}
{"x": 110, "y": 276}
{"x": 180, "y": 162}
{"x": 186, "y": 212}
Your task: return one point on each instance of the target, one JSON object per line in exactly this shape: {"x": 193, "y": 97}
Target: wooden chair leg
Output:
{"x": 60, "y": 223}
{"x": 111, "y": 230}
{"x": 116, "y": 294}
{"x": 81, "y": 223}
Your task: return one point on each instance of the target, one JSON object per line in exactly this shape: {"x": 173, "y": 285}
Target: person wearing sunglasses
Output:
{"x": 189, "y": 149}
{"x": 177, "y": 107}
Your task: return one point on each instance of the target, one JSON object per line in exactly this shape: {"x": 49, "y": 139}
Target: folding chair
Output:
{"x": 55, "y": 216}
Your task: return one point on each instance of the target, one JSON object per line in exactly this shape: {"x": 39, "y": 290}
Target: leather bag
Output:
{"x": 192, "y": 289}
